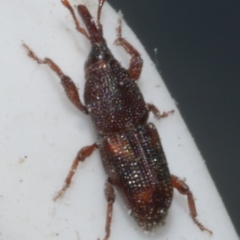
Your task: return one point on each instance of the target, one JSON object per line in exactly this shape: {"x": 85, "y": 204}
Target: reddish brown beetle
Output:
{"x": 130, "y": 147}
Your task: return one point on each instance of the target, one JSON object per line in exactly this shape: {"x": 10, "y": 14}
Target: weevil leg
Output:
{"x": 78, "y": 27}
{"x": 136, "y": 61}
{"x": 68, "y": 85}
{"x": 152, "y": 108}
{"x": 81, "y": 156}
{"x": 183, "y": 188}
{"x": 110, "y": 196}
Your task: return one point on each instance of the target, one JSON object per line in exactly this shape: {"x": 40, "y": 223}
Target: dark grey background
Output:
{"x": 199, "y": 59}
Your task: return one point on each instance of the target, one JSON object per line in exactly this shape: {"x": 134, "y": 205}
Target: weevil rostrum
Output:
{"x": 130, "y": 147}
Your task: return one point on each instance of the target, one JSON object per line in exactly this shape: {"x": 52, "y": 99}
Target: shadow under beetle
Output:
{"x": 130, "y": 147}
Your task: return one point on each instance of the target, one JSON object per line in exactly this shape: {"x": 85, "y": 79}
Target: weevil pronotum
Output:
{"x": 130, "y": 147}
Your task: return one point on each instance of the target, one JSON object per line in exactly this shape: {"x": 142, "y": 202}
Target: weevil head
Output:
{"x": 98, "y": 54}
{"x": 99, "y": 51}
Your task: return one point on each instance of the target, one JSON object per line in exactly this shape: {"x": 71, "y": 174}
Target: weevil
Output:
{"x": 129, "y": 145}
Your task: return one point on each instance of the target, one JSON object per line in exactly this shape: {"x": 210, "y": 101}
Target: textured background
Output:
{"x": 198, "y": 46}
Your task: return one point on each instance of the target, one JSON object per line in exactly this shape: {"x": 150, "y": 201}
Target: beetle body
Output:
{"x": 136, "y": 165}
{"x": 112, "y": 98}
{"x": 109, "y": 96}
{"x": 130, "y": 147}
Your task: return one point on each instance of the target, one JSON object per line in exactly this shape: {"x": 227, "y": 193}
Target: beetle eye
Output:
{"x": 95, "y": 52}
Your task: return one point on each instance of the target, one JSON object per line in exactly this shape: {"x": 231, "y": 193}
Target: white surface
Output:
{"x": 41, "y": 133}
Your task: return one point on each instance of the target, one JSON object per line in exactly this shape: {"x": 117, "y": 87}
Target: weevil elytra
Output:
{"x": 129, "y": 146}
